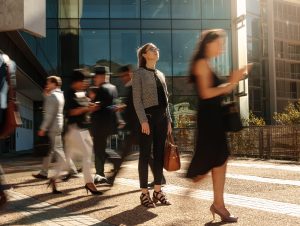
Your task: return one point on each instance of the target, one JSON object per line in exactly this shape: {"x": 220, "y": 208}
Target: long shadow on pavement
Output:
{"x": 135, "y": 216}
{"x": 45, "y": 213}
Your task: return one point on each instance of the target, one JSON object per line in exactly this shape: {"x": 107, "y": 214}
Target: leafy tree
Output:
{"x": 290, "y": 114}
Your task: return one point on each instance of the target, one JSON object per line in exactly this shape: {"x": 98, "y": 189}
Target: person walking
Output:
{"x": 150, "y": 99}
{"x": 211, "y": 153}
{"x": 52, "y": 126}
{"x": 78, "y": 142}
{"x": 104, "y": 120}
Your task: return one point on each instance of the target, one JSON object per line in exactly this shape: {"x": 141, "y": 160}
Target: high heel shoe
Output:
{"x": 160, "y": 196}
{"x": 94, "y": 192}
{"x": 146, "y": 200}
{"x": 224, "y": 217}
{"x": 53, "y": 186}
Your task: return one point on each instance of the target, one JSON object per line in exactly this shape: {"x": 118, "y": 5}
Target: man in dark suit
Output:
{"x": 105, "y": 120}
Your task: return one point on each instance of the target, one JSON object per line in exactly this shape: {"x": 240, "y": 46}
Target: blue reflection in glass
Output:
{"x": 186, "y": 9}
{"x": 216, "y": 9}
{"x": 155, "y": 9}
{"x": 162, "y": 39}
{"x": 183, "y": 45}
{"x": 124, "y": 44}
{"x": 124, "y": 8}
{"x": 93, "y": 46}
{"x": 47, "y": 51}
{"x": 51, "y": 8}
{"x": 94, "y": 9}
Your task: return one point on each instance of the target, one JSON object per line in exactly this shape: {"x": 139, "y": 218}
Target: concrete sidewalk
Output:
{"x": 262, "y": 195}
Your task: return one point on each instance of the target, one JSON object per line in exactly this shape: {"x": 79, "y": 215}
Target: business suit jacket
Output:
{"x": 53, "y": 112}
{"x": 105, "y": 119}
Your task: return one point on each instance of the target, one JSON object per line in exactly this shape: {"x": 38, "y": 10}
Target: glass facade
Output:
{"x": 81, "y": 33}
{"x": 256, "y": 44}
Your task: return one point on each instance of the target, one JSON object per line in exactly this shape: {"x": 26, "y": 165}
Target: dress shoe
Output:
{"x": 100, "y": 179}
{"x": 69, "y": 176}
{"x": 40, "y": 176}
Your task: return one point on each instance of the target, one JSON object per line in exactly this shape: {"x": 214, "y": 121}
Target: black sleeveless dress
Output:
{"x": 211, "y": 145}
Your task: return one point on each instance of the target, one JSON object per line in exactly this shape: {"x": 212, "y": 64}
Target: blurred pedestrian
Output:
{"x": 104, "y": 120}
{"x": 150, "y": 98}
{"x": 211, "y": 153}
{"x": 78, "y": 142}
{"x": 52, "y": 126}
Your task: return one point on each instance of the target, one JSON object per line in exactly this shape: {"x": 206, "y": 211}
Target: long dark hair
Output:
{"x": 141, "y": 60}
{"x": 207, "y": 37}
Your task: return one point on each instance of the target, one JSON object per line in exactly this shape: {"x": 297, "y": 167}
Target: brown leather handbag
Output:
{"x": 12, "y": 117}
{"x": 171, "y": 155}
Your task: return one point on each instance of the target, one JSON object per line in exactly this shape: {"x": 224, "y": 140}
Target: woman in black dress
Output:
{"x": 211, "y": 151}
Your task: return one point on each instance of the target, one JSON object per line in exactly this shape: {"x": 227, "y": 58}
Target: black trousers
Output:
{"x": 100, "y": 141}
{"x": 158, "y": 124}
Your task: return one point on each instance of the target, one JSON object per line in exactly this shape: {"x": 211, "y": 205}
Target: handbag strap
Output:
{"x": 170, "y": 138}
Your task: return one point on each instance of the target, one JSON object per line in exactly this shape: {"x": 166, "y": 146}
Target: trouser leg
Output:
{"x": 99, "y": 150}
{"x": 79, "y": 143}
{"x": 159, "y": 138}
{"x": 145, "y": 152}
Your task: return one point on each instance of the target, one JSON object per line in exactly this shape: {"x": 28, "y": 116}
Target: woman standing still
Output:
{"x": 150, "y": 98}
{"x": 211, "y": 152}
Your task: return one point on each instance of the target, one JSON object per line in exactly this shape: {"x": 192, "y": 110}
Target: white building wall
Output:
{"x": 239, "y": 50}
{"x": 24, "y": 134}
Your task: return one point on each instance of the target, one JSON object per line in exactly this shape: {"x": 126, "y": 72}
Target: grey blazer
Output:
{"x": 144, "y": 92}
{"x": 53, "y": 112}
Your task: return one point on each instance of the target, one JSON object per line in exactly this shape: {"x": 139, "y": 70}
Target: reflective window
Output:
{"x": 51, "y": 9}
{"x": 162, "y": 39}
{"x": 124, "y": 8}
{"x": 47, "y": 51}
{"x": 124, "y": 44}
{"x": 187, "y": 24}
{"x": 216, "y": 9}
{"x": 155, "y": 9}
{"x": 186, "y": 9}
{"x": 93, "y": 46}
{"x": 253, "y": 6}
{"x": 253, "y": 50}
{"x": 183, "y": 46}
{"x": 68, "y": 8}
{"x": 94, "y": 9}
{"x": 253, "y": 26}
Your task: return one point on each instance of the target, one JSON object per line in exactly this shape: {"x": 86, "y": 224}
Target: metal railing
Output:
{"x": 267, "y": 142}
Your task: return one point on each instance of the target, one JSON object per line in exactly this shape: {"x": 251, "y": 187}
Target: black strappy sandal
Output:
{"x": 160, "y": 196}
{"x": 146, "y": 200}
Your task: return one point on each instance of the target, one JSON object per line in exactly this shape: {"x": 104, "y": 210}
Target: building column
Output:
{"x": 239, "y": 50}
{"x": 271, "y": 58}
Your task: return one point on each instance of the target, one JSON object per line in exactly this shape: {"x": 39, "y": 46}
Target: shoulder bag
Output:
{"x": 171, "y": 155}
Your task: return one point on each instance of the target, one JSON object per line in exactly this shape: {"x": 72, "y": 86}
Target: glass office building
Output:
{"x": 82, "y": 33}
{"x": 273, "y": 35}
